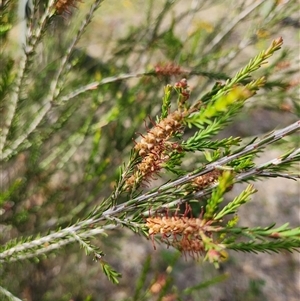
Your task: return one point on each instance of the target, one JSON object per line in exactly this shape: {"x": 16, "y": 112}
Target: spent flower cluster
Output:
{"x": 156, "y": 147}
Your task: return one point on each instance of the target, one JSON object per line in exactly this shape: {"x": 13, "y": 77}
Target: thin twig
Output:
{"x": 8, "y": 294}
{"x": 219, "y": 38}
{"x": 97, "y": 84}
{"x": 7, "y": 256}
{"x": 54, "y": 89}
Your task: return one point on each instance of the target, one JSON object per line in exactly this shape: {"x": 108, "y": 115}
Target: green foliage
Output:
{"x": 139, "y": 288}
{"x": 110, "y": 273}
{"x": 266, "y": 239}
{"x": 71, "y": 171}
{"x": 232, "y": 207}
{"x": 166, "y": 104}
{"x": 205, "y": 284}
{"x": 224, "y": 182}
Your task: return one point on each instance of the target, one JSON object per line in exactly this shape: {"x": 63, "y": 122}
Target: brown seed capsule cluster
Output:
{"x": 158, "y": 135}
{"x": 208, "y": 179}
{"x": 64, "y": 6}
{"x": 155, "y": 147}
{"x": 168, "y": 69}
{"x": 203, "y": 181}
{"x": 181, "y": 232}
{"x": 173, "y": 225}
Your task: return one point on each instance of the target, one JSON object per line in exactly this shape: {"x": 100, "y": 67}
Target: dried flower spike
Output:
{"x": 64, "y": 6}
{"x": 155, "y": 147}
{"x": 181, "y": 232}
{"x": 168, "y": 69}
{"x": 203, "y": 181}
{"x": 162, "y": 131}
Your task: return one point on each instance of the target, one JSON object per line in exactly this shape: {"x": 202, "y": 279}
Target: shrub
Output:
{"x": 135, "y": 138}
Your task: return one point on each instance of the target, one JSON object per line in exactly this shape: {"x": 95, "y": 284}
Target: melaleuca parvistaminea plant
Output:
{"x": 167, "y": 145}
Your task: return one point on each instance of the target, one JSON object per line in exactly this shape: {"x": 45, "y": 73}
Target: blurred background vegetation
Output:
{"x": 69, "y": 163}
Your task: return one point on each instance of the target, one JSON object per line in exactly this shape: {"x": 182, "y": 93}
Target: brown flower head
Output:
{"x": 168, "y": 69}
{"x": 181, "y": 232}
{"x": 205, "y": 180}
{"x": 65, "y": 6}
